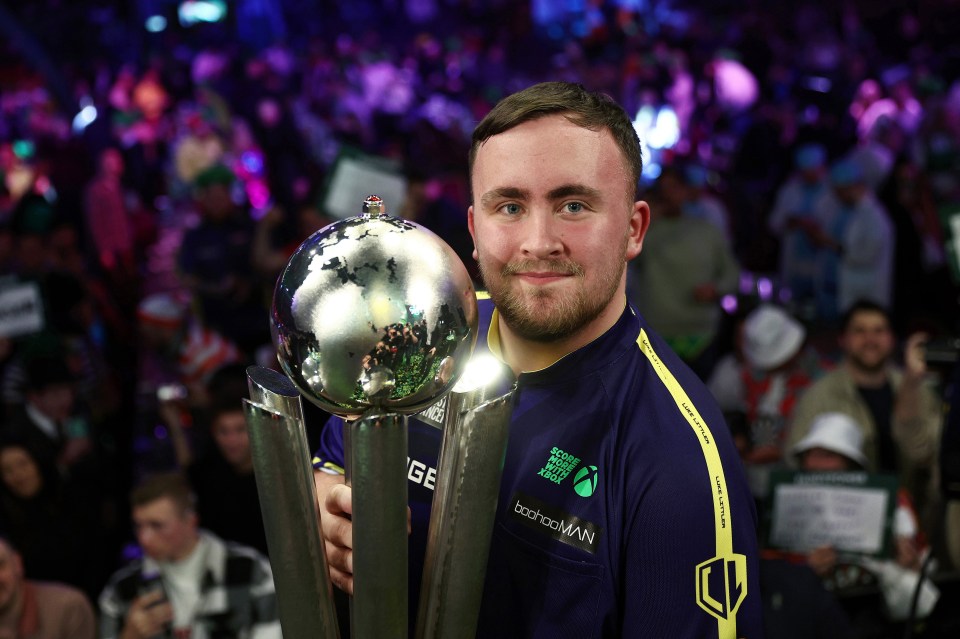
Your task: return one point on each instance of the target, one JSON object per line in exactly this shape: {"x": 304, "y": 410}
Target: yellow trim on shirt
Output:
{"x": 722, "y": 517}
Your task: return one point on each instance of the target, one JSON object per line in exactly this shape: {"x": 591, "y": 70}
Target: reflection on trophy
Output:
{"x": 374, "y": 318}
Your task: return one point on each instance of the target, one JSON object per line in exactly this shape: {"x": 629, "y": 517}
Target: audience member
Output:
{"x": 108, "y": 218}
{"x": 222, "y": 475}
{"x": 835, "y": 444}
{"x": 49, "y": 420}
{"x": 677, "y": 282}
{"x": 57, "y": 526}
{"x": 895, "y": 408}
{"x": 40, "y": 610}
{"x": 189, "y": 582}
{"x": 777, "y": 366}
{"x": 857, "y": 241}
{"x": 215, "y": 265}
{"x": 189, "y": 351}
{"x": 793, "y": 222}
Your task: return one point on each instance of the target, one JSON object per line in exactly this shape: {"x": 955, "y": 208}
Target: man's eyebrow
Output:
{"x": 506, "y": 192}
{"x": 573, "y": 189}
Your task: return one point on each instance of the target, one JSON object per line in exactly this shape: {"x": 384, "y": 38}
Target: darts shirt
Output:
{"x": 623, "y": 507}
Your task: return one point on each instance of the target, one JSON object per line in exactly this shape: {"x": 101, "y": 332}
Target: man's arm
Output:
{"x": 916, "y": 409}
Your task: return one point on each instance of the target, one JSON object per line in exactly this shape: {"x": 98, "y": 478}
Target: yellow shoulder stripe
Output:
{"x": 724, "y": 609}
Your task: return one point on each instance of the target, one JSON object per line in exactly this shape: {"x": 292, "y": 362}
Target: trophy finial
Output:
{"x": 374, "y": 205}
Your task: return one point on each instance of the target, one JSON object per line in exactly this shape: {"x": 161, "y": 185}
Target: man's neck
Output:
{"x": 183, "y": 556}
{"x": 525, "y": 355}
{"x": 866, "y": 378}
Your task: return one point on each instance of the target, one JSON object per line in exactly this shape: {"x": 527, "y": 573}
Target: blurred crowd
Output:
{"x": 802, "y": 166}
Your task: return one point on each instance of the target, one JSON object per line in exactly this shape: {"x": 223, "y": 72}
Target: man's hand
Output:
{"x": 337, "y": 528}
{"x": 822, "y": 560}
{"x": 914, "y": 356}
{"x": 148, "y": 616}
{"x": 335, "y": 500}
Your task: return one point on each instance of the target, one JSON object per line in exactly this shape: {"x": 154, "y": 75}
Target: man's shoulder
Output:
{"x": 59, "y": 595}
{"x": 124, "y": 584}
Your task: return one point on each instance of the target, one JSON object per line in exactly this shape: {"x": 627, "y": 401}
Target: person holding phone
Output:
{"x": 190, "y": 584}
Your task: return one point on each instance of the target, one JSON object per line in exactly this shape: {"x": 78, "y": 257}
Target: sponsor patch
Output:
{"x": 563, "y": 527}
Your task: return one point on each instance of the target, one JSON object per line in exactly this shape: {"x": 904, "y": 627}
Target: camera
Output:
{"x": 942, "y": 352}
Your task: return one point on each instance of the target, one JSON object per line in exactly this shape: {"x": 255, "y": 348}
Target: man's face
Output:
{"x": 19, "y": 472}
{"x": 230, "y": 434}
{"x": 821, "y": 460}
{"x": 553, "y": 223}
{"x": 54, "y": 400}
{"x": 164, "y": 530}
{"x": 868, "y": 341}
{"x": 11, "y": 578}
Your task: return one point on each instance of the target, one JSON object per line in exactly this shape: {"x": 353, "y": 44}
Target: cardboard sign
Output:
{"x": 356, "y": 176}
{"x": 852, "y": 511}
{"x": 21, "y": 310}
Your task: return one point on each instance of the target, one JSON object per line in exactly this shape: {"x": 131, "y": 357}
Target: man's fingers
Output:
{"x": 339, "y": 500}
{"x": 149, "y": 599}
{"x": 342, "y": 580}
{"x": 339, "y": 558}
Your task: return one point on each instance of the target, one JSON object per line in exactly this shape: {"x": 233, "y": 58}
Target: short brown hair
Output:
{"x": 172, "y": 485}
{"x": 593, "y": 111}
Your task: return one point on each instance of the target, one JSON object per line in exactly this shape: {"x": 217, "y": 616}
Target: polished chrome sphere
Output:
{"x": 374, "y": 312}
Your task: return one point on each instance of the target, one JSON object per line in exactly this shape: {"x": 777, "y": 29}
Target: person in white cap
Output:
{"x": 835, "y": 444}
{"x": 896, "y": 408}
{"x": 775, "y": 367}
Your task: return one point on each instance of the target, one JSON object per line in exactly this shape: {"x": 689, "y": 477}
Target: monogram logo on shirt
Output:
{"x": 722, "y": 585}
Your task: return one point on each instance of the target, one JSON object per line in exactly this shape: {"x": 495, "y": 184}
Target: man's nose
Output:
{"x": 541, "y": 235}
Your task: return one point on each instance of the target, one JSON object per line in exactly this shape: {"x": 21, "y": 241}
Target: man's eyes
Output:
{"x": 573, "y": 207}
{"x": 511, "y": 208}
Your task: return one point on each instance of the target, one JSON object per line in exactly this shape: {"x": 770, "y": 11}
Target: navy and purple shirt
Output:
{"x": 623, "y": 508}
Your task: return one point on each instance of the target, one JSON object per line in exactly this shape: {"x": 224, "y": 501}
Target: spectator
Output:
{"x": 56, "y": 525}
{"x": 835, "y": 444}
{"x": 896, "y": 409}
{"x": 793, "y": 222}
{"x": 701, "y": 203}
{"x": 215, "y": 265}
{"x": 37, "y": 610}
{"x": 190, "y": 351}
{"x": 49, "y": 420}
{"x": 222, "y": 475}
{"x": 207, "y": 587}
{"x": 679, "y": 278}
{"x": 108, "y": 218}
{"x": 857, "y": 238}
{"x": 776, "y": 367}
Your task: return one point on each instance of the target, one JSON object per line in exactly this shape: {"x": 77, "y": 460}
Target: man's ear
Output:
{"x": 473, "y": 234}
{"x": 639, "y": 223}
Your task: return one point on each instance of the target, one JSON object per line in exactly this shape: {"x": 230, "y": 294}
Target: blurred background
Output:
{"x": 161, "y": 159}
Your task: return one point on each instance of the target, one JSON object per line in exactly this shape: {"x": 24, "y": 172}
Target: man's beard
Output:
{"x": 871, "y": 365}
{"x": 545, "y": 315}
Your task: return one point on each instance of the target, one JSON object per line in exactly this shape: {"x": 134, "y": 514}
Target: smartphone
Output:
{"x": 153, "y": 582}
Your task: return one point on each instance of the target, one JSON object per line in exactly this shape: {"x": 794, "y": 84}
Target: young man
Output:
{"x": 897, "y": 408}
{"x": 610, "y": 430}
{"x": 39, "y": 610}
{"x": 190, "y": 584}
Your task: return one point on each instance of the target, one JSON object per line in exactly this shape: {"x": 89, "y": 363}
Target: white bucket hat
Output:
{"x": 836, "y": 432}
{"x": 771, "y": 337}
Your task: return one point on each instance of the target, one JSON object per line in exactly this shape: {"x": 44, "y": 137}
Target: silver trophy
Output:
{"x": 375, "y": 318}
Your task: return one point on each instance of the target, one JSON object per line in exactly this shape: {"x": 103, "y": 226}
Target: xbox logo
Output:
{"x": 585, "y": 482}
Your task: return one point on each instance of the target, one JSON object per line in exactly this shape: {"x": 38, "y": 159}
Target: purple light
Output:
{"x": 160, "y": 431}
{"x": 729, "y": 304}
{"x": 764, "y": 288}
{"x": 252, "y": 162}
